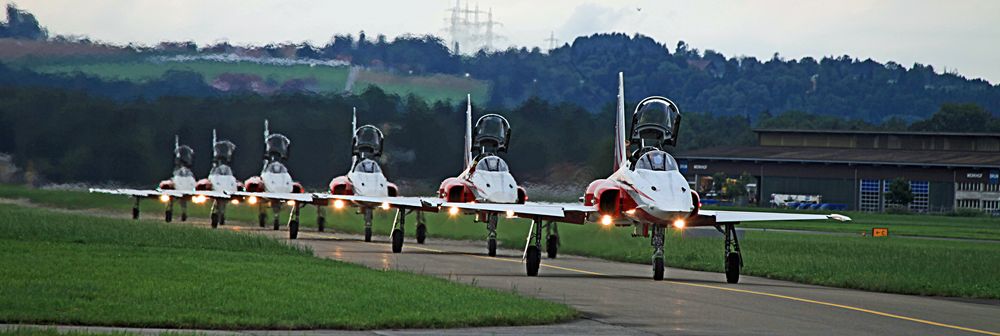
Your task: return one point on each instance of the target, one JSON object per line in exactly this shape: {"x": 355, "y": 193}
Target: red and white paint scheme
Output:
{"x": 274, "y": 186}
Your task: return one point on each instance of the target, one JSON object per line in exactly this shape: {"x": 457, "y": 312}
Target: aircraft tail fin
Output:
{"x": 354, "y": 130}
{"x": 177, "y": 141}
{"x": 267, "y": 129}
{"x": 214, "y": 140}
{"x": 620, "y": 149}
{"x": 468, "y": 131}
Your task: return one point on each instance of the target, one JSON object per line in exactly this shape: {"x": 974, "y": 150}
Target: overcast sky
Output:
{"x": 962, "y": 35}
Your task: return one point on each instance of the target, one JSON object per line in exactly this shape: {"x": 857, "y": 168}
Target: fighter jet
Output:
{"x": 275, "y": 186}
{"x": 486, "y": 187}
{"x": 220, "y": 179}
{"x": 648, "y": 192}
{"x": 180, "y": 186}
{"x": 366, "y": 187}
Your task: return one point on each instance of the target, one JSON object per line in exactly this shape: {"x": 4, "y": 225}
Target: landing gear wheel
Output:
{"x": 184, "y": 217}
{"x": 397, "y": 241}
{"x": 534, "y": 260}
{"x": 421, "y": 233}
{"x": 657, "y": 269}
{"x": 321, "y": 224}
{"x": 276, "y": 225}
{"x": 293, "y": 229}
{"x": 168, "y": 216}
{"x": 262, "y": 220}
{"x": 215, "y": 220}
{"x": 491, "y": 247}
{"x": 368, "y": 234}
{"x": 135, "y": 213}
{"x": 733, "y": 262}
{"x": 552, "y": 246}
{"x": 222, "y": 219}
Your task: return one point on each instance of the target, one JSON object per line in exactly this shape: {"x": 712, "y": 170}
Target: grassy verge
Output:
{"x": 72, "y": 269}
{"x": 27, "y": 331}
{"x": 909, "y": 266}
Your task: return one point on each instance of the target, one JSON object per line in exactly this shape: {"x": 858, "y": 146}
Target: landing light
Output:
{"x": 338, "y": 204}
{"x": 235, "y": 201}
{"x": 510, "y": 213}
{"x": 252, "y": 200}
{"x": 630, "y": 212}
{"x": 385, "y": 205}
{"x": 453, "y": 211}
{"x": 164, "y": 198}
{"x": 290, "y": 202}
{"x": 199, "y": 199}
{"x": 606, "y": 220}
{"x": 679, "y": 224}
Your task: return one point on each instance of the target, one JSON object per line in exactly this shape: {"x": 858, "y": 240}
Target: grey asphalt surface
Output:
{"x": 623, "y": 295}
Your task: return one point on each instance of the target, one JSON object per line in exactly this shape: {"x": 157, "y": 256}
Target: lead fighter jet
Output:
{"x": 220, "y": 179}
{"x": 181, "y": 186}
{"x": 648, "y": 192}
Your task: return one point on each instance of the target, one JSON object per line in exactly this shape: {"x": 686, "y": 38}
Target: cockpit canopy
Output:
{"x": 491, "y": 134}
{"x": 184, "y": 156}
{"x": 222, "y": 151}
{"x": 367, "y": 166}
{"x": 277, "y": 147}
{"x": 367, "y": 142}
{"x": 655, "y": 123}
{"x": 491, "y": 164}
{"x": 656, "y": 160}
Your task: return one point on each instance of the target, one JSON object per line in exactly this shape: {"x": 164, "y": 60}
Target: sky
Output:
{"x": 958, "y": 35}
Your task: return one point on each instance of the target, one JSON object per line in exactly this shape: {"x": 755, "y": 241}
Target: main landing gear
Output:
{"x": 135, "y": 208}
{"x": 734, "y": 260}
{"x": 261, "y": 215}
{"x": 398, "y": 224}
{"x": 320, "y": 218}
{"x": 293, "y": 221}
{"x": 168, "y": 214}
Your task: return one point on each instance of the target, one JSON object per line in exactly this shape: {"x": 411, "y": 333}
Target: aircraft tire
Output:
{"x": 184, "y": 217}
{"x": 421, "y": 233}
{"x": 733, "y": 267}
{"x": 222, "y": 219}
{"x": 293, "y": 229}
{"x": 657, "y": 269}
{"x": 552, "y": 246}
{"x": 215, "y": 220}
{"x": 321, "y": 224}
{"x": 135, "y": 213}
{"x": 168, "y": 216}
{"x": 262, "y": 220}
{"x": 534, "y": 260}
{"x": 277, "y": 226}
{"x": 491, "y": 247}
{"x": 368, "y": 234}
{"x": 397, "y": 241}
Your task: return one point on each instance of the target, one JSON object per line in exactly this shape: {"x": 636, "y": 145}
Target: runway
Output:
{"x": 686, "y": 302}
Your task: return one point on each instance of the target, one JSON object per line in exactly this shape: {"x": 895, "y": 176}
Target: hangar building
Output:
{"x": 854, "y": 168}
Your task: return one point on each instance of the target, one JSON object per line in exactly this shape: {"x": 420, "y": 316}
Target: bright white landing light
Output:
{"x": 679, "y": 224}
{"x": 338, "y": 204}
{"x": 606, "y": 220}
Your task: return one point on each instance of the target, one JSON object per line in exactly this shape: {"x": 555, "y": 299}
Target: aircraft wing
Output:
{"x": 520, "y": 210}
{"x": 298, "y": 197}
{"x": 393, "y": 201}
{"x": 127, "y": 192}
{"x": 723, "y": 216}
{"x": 186, "y": 193}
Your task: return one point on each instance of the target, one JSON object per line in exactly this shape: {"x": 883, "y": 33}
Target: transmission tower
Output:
{"x": 468, "y": 30}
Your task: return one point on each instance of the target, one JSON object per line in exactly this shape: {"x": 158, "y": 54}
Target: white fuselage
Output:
{"x": 183, "y": 179}
{"x": 663, "y": 195}
{"x": 493, "y": 187}
{"x": 276, "y": 178}
{"x": 222, "y": 179}
{"x": 369, "y": 184}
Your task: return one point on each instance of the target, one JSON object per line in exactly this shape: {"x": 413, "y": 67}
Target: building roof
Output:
{"x": 846, "y": 156}
{"x": 962, "y": 134}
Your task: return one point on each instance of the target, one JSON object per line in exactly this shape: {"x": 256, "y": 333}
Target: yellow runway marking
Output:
{"x": 786, "y": 297}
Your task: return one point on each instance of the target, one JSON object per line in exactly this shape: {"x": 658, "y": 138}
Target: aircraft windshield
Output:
{"x": 656, "y": 161}
{"x": 221, "y": 170}
{"x": 367, "y": 166}
{"x": 276, "y": 168}
{"x": 184, "y": 172}
{"x": 491, "y": 164}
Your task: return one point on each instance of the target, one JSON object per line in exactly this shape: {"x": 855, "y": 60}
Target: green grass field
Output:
{"x": 898, "y": 265}
{"x": 27, "y": 331}
{"x": 78, "y": 269}
{"x": 328, "y": 79}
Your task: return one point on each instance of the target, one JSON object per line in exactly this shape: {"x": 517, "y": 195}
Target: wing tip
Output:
{"x": 839, "y": 217}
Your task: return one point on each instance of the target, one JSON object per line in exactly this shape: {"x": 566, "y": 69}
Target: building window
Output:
{"x": 968, "y": 203}
{"x": 871, "y": 196}
{"x": 921, "y": 193}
